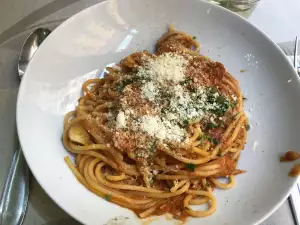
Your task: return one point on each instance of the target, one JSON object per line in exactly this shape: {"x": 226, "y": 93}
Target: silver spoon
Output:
{"x": 15, "y": 194}
{"x": 29, "y": 48}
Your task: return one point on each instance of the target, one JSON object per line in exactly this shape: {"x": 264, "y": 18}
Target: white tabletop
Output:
{"x": 277, "y": 18}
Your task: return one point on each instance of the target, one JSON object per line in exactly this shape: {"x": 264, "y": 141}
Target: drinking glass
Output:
{"x": 236, "y": 5}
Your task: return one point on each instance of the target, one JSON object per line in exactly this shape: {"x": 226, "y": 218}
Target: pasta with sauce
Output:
{"x": 157, "y": 132}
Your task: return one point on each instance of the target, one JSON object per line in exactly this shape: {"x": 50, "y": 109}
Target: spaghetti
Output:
{"x": 157, "y": 132}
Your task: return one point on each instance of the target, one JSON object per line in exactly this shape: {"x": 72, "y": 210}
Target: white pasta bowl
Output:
{"x": 82, "y": 46}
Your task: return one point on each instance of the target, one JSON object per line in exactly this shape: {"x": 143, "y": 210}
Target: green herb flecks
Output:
{"x": 111, "y": 123}
{"x": 201, "y": 139}
{"x": 215, "y": 141}
{"x": 234, "y": 104}
{"x": 190, "y": 166}
{"x": 213, "y": 90}
{"x": 219, "y": 154}
{"x": 194, "y": 37}
{"x": 122, "y": 84}
{"x": 221, "y": 103}
{"x": 152, "y": 147}
{"x": 184, "y": 123}
{"x": 152, "y": 181}
{"x": 186, "y": 81}
{"x": 235, "y": 115}
{"x": 209, "y": 138}
{"x": 107, "y": 197}
{"x": 247, "y": 127}
{"x": 210, "y": 125}
{"x": 134, "y": 79}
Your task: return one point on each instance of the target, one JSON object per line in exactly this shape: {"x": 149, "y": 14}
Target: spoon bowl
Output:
{"x": 30, "y": 46}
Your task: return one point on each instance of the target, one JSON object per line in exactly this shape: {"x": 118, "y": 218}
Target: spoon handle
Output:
{"x": 14, "y": 198}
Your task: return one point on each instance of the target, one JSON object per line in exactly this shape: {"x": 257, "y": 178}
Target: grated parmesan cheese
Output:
{"x": 149, "y": 91}
{"x": 152, "y": 125}
{"x": 161, "y": 129}
{"x": 175, "y": 102}
{"x": 121, "y": 120}
{"x": 166, "y": 67}
{"x": 234, "y": 97}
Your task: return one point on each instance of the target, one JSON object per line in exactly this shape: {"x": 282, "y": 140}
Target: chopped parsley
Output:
{"x": 123, "y": 83}
{"x": 209, "y": 138}
{"x": 119, "y": 87}
{"x": 153, "y": 180}
{"x": 212, "y": 140}
{"x": 185, "y": 105}
{"x": 210, "y": 126}
{"x": 190, "y": 166}
{"x": 235, "y": 115}
{"x": 213, "y": 90}
{"x": 201, "y": 139}
{"x": 207, "y": 184}
{"x": 247, "y": 127}
{"x": 152, "y": 147}
{"x": 107, "y": 197}
{"x": 194, "y": 37}
{"x": 165, "y": 94}
{"x": 186, "y": 81}
{"x": 233, "y": 105}
{"x": 216, "y": 98}
{"x": 110, "y": 123}
{"x": 242, "y": 71}
{"x": 215, "y": 141}
{"x": 219, "y": 154}
{"x": 185, "y": 123}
